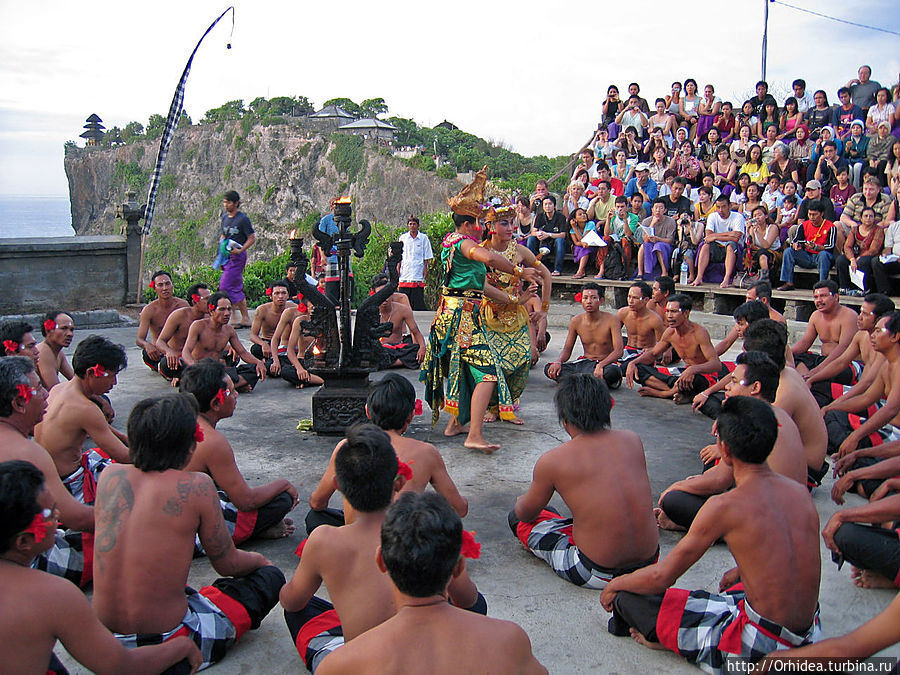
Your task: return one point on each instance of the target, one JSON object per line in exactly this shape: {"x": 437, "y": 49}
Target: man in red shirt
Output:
{"x": 812, "y": 246}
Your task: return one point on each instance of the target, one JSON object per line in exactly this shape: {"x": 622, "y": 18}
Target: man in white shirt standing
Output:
{"x": 414, "y": 266}
{"x": 725, "y": 232}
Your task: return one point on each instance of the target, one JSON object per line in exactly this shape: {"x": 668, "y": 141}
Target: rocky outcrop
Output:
{"x": 284, "y": 174}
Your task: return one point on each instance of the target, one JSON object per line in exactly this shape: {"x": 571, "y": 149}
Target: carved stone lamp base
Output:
{"x": 340, "y": 402}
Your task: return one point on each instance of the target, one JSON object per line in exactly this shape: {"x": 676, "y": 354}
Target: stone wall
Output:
{"x": 71, "y": 273}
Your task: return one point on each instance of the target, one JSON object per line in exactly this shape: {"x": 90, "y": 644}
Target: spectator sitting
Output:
{"x": 550, "y": 228}
{"x": 755, "y": 167}
{"x": 805, "y": 100}
{"x": 739, "y": 194}
{"x": 725, "y": 122}
{"x": 772, "y": 196}
{"x": 825, "y": 134}
{"x": 862, "y": 246}
{"x": 800, "y": 150}
{"x": 641, "y": 184}
{"x": 842, "y": 190}
{"x": 724, "y": 170}
{"x": 768, "y": 144}
{"x": 828, "y": 165}
{"x": 813, "y": 246}
{"x": 782, "y": 165}
{"x": 814, "y": 192}
{"x": 786, "y": 216}
{"x": 723, "y": 241}
{"x": 684, "y": 163}
{"x": 579, "y": 225}
{"x": 574, "y": 198}
{"x": 882, "y": 111}
{"x": 856, "y": 150}
{"x": 820, "y": 115}
{"x": 707, "y": 180}
{"x": 791, "y": 118}
{"x": 663, "y": 120}
{"x": 706, "y": 150}
{"x": 764, "y": 243}
{"x": 845, "y": 113}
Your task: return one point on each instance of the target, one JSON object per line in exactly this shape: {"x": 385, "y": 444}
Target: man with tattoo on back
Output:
{"x": 147, "y": 517}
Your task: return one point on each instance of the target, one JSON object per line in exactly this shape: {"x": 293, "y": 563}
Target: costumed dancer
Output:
{"x": 505, "y": 315}
{"x": 458, "y": 348}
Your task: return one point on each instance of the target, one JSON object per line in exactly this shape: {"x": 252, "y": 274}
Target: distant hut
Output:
{"x": 449, "y": 126}
{"x": 330, "y": 118}
{"x": 94, "y": 128}
{"x": 371, "y": 128}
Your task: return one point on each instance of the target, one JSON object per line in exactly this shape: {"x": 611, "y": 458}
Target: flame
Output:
{"x": 316, "y": 350}
{"x": 293, "y": 234}
{"x": 344, "y": 200}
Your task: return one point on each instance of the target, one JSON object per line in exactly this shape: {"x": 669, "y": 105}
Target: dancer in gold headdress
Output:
{"x": 458, "y": 348}
{"x": 505, "y": 317}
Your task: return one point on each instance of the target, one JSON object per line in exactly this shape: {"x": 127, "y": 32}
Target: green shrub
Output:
{"x": 226, "y": 174}
{"x": 446, "y": 171}
{"x": 269, "y": 192}
{"x": 348, "y": 155}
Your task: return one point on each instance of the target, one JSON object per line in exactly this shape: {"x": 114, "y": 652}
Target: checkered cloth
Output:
{"x": 708, "y": 629}
{"x": 213, "y": 629}
{"x": 549, "y": 537}
{"x": 669, "y": 375}
{"x": 82, "y": 483}
{"x": 841, "y": 424}
{"x": 319, "y": 635}
{"x": 240, "y": 524}
{"x": 629, "y": 354}
{"x": 171, "y": 124}
{"x": 71, "y": 557}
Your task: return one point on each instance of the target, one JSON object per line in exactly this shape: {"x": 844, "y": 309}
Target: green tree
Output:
{"x": 233, "y": 110}
{"x": 408, "y": 132}
{"x": 184, "y": 120}
{"x": 155, "y": 126}
{"x": 132, "y": 131}
{"x": 302, "y": 106}
{"x": 373, "y": 107}
{"x": 345, "y": 103}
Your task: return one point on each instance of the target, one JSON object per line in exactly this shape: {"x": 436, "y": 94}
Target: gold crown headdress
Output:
{"x": 468, "y": 201}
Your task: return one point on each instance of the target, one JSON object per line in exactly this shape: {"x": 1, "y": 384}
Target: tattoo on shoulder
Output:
{"x": 111, "y": 514}
{"x": 187, "y": 486}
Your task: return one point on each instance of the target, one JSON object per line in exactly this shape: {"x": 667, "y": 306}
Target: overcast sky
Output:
{"x": 530, "y": 74}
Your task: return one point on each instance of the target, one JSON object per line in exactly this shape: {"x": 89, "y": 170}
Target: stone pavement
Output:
{"x": 567, "y": 625}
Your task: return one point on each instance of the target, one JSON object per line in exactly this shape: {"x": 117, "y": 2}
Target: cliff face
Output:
{"x": 283, "y": 174}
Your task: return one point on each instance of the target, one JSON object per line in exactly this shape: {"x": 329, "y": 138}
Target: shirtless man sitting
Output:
{"x": 405, "y": 346}
{"x": 420, "y": 548}
{"x": 148, "y": 516}
{"x": 58, "y": 330}
{"x": 23, "y": 401}
{"x": 847, "y": 431}
{"x": 17, "y": 339}
{"x": 73, "y": 415}
{"x": 662, "y": 287}
{"x": 292, "y": 364}
{"x": 834, "y": 325}
{"x": 154, "y": 315}
{"x": 601, "y": 337}
{"x": 38, "y": 609}
{"x": 823, "y": 381}
{"x": 770, "y": 337}
{"x": 208, "y": 338}
{"x": 643, "y": 326}
{"x": 691, "y": 341}
{"x": 779, "y": 582}
{"x": 249, "y": 512}
{"x": 762, "y": 291}
{"x": 601, "y": 474}
{"x": 174, "y": 334}
{"x": 366, "y": 473}
{"x": 391, "y": 406}
{"x": 756, "y": 376}
{"x": 266, "y": 317}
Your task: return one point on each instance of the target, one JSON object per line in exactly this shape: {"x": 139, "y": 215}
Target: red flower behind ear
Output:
{"x": 220, "y": 397}
{"x": 299, "y": 297}
{"x": 152, "y": 284}
{"x": 39, "y": 527}
{"x": 23, "y": 391}
{"x": 302, "y": 308}
{"x": 418, "y": 409}
{"x": 97, "y": 371}
{"x": 578, "y": 296}
{"x": 269, "y": 292}
{"x": 371, "y": 291}
{"x": 198, "y": 433}
{"x": 11, "y": 346}
{"x": 196, "y": 298}
{"x": 404, "y": 470}
{"x": 470, "y": 547}
{"x": 49, "y": 325}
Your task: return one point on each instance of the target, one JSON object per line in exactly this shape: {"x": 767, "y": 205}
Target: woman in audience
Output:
{"x": 879, "y": 152}
{"x": 764, "y": 250}
{"x": 709, "y": 143}
{"x": 741, "y": 144}
{"x": 754, "y": 199}
{"x": 524, "y": 219}
{"x": 631, "y": 145}
{"x": 739, "y": 194}
{"x": 673, "y": 101}
{"x": 611, "y": 107}
{"x": 791, "y": 118}
{"x": 724, "y": 170}
{"x": 708, "y": 108}
{"x": 686, "y": 165}
{"x": 768, "y": 117}
{"x": 863, "y": 243}
{"x": 745, "y": 116}
{"x": 725, "y": 122}
{"x": 767, "y": 145}
{"x": 579, "y": 225}
{"x": 755, "y": 167}
{"x": 620, "y": 169}
{"x": 658, "y": 165}
{"x": 856, "y": 150}
{"x": 800, "y": 150}
{"x": 892, "y": 169}
{"x": 603, "y": 147}
{"x": 656, "y": 140}
{"x": 689, "y": 109}
{"x": 664, "y": 121}
{"x": 782, "y": 165}
{"x": 826, "y": 134}
{"x": 819, "y": 116}
{"x": 882, "y": 111}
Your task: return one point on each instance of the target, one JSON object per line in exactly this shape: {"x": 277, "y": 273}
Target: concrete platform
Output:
{"x": 567, "y": 625}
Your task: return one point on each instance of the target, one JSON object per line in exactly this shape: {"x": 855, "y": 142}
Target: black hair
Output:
{"x": 50, "y": 316}
{"x": 685, "y": 304}
{"x": 13, "y": 370}
{"x": 283, "y": 283}
{"x": 763, "y": 83}
{"x": 203, "y": 380}
{"x": 893, "y": 322}
{"x": 659, "y": 200}
{"x": 15, "y": 331}
{"x": 391, "y": 401}
{"x": 592, "y": 286}
{"x": 583, "y": 401}
{"x": 379, "y": 280}
{"x": 751, "y": 311}
{"x": 622, "y": 199}
{"x": 232, "y": 196}
{"x": 460, "y": 219}
{"x": 760, "y": 368}
{"x": 763, "y": 289}
{"x": 20, "y": 485}
{"x": 194, "y": 289}
{"x": 646, "y": 290}
{"x": 830, "y": 284}
{"x": 213, "y": 300}
{"x": 98, "y": 350}
{"x": 366, "y": 467}
{"x": 768, "y": 336}
{"x": 666, "y": 285}
{"x": 829, "y": 144}
{"x": 748, "y": 428}
{"x": 800, "y": 82}
{"x": 161, "y": 273}
{"x": 421, "y": 538}
{"x": 881, "y": 304}
{"x": 551, "y": 198}
{"x": 161, "y": 431}
{"x": 290, "y": 264}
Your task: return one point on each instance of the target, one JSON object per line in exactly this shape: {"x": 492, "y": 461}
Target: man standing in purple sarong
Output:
{"x": 236, "y": 227}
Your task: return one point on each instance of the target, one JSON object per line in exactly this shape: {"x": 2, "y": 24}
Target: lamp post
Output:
{"x": 765, "y": 39}
{"x": 132, "y": 212}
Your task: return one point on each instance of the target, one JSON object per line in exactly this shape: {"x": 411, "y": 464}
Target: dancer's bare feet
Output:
{"x": 641, "y": 640}
{"x": 279, "y": 530}
{"x": 454, "y": 428}
{"x": 518, "y": 421}
{"x": 489, "y": 417}
{"x": 481, "y": 445}
{"x": 666, "y": 523}
{"x": 870, "y": 579}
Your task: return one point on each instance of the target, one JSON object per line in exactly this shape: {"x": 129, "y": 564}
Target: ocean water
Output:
{"x": 35, "y": 216}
